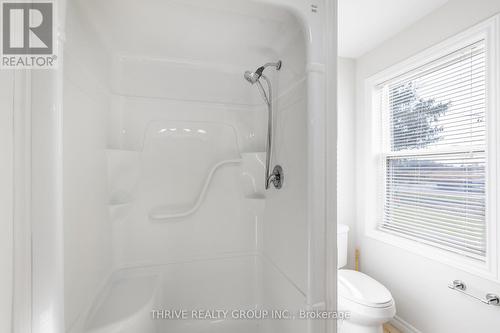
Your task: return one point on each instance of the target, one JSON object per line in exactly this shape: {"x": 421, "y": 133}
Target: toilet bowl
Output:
{"x": 366, "y": 301}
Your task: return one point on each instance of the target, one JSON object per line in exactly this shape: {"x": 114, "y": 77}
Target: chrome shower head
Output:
{"x": 252, "y": 77}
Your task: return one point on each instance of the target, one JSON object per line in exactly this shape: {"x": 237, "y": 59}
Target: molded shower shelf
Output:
{"x": 175, "y": 211}
{"x": 119, "y": 210}
{"x": 118, "y": 198}
{"x": 252, "y": 175}
{"x": 256, "y": 205}
{"x": 123, "y": 175}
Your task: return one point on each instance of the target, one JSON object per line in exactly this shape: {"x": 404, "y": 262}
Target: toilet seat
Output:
{"x": 359, "y": 288}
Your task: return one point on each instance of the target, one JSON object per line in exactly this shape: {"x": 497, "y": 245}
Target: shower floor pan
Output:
{"x": 133, "y": 298}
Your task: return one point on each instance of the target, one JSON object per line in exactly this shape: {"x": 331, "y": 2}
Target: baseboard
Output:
{"x": 403, "y": 325}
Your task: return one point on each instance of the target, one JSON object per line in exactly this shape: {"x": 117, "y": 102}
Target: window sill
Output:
{"x": 482, "y": 269}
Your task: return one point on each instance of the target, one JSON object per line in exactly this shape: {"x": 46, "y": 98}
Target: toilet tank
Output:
{"x": 342, "y": 236}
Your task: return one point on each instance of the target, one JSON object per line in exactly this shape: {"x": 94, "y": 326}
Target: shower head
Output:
{"x": 253, "y": 77}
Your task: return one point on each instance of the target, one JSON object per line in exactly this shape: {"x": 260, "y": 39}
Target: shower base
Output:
{"x": 138, "y": 299}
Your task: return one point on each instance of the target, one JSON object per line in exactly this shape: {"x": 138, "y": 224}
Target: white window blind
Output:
{"x": 434, "y": 157}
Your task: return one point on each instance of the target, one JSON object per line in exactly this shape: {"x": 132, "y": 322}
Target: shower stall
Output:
{"x": 167, "y": 175}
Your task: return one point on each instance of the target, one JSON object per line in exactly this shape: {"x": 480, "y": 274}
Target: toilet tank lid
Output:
{"x": 362, "y": 289}
{"x": 342, "y": 228}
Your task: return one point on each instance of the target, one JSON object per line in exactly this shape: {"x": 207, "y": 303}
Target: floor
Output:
{"x": 388, "y": 328}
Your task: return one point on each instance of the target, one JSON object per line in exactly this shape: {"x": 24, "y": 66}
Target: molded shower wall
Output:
{"x": 155, "y": 96}
{"x": 285, "y": 224}
{"x": 88, "y": 253}
{"x": 6, "y": 197}
{"x": 141, "y": 131}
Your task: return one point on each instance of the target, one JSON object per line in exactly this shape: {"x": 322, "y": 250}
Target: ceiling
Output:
{"x": 364, "y": 24}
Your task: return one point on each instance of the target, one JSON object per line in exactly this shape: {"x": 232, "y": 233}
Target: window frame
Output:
{"x": 488, "y": 30}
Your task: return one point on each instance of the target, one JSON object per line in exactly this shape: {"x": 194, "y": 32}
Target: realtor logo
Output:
{"x": 28, "y": 34}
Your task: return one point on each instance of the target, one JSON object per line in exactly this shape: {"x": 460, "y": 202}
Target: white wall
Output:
{"x": 87, "y": 229}
{"x": 346, "y": 150}
{"x": 419, "y": 285}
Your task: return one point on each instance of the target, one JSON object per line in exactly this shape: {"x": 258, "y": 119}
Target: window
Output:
{"x": 431, "y": 155}
{"x": 434, "y": 152}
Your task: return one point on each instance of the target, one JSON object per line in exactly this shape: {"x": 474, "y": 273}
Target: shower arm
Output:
{"x": 276, "y": 65}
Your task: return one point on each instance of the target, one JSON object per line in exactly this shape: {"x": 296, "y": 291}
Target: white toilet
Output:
{"x": 369, "y": 303}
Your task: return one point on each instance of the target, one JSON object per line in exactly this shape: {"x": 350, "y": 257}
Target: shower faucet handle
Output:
{"x": 276, "y": 178}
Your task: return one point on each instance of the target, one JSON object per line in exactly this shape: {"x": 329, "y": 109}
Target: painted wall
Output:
{"x": 419, "y": 285}
{"x": 346, "y": 150}
{"x": 87, "y": 230}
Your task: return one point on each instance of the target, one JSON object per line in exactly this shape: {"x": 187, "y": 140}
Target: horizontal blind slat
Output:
{"x": 443, "y": 221}
{"x": 422, "y": 238}
{"x": 474, "y": 83}
{"x": 452, "y": 239}
{"x": 471, "y": 210}
{"x": 438, "y": 199}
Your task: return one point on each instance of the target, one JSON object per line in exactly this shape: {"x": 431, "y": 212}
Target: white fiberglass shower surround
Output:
{"x": 153, "y": 145}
